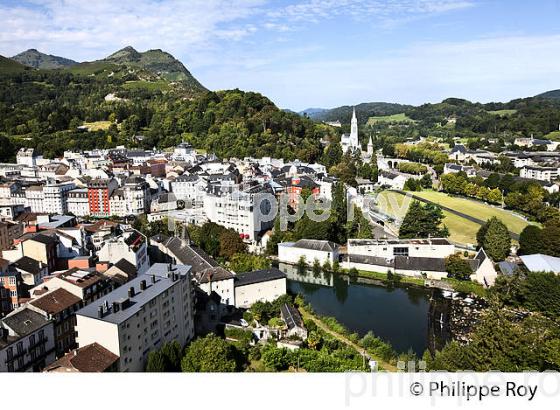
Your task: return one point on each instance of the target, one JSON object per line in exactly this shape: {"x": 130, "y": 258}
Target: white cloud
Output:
{"x": 91, "y": 29}
{"x": 485, "y": 69}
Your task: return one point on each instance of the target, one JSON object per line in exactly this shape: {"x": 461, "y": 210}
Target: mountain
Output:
{"x": 363, "y": 112}
{"x": 9, "y": 66}
{"x": 36, "y": 59}
{"x": 550, "y": 95}
{"x": 157, "y": 62}
{"x": 312, "y": 111}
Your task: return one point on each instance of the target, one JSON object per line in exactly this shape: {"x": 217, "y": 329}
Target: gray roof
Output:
{"x": 291, "y": 316}
{"x": 29, "y": 265}
{"x": 162, "y": 282}
{"x": 541, "y": 263}
{"x": 402, "y": 262}
{"x": 186, "y": 253}
{"x": 257, "y": 276}
{"x": 508, "y": 268}
{"x": 316, "y": 245}
{"x": 24, "y": 322}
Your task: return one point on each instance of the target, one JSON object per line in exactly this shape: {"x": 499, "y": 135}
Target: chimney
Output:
{"x": 153, "y": 278}
{"x": 131, "y": 292}
{"x": 115, "y": 307}
{"x": 100, "y": 312}
{"x": 143, "y": 285}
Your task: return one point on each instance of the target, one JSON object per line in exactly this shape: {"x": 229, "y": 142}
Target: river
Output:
{"x": 398, "y": 315}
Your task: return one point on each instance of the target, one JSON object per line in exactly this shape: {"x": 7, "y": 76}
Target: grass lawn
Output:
{"x": 553, "y": 136}
{"x": 383, "y": 277}
{"x": 476, "y": 209}
{"x": 502, "y": 113}
{"x": 389, "y": 118}
{"x": 461, "y": 230}
{"x": 98, "y": 125}
{"x": 160, "y": 85}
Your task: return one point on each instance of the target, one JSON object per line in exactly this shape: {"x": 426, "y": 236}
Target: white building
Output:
{"x": 77, "y": 202}
{"x": 26, "y": 341}
{"x": 56, "y": 197}
{"x": 131, "y": 245}
{"x": 310, "y": 249}
{"x": 418, "y": 248}
{"x": 35, "y": 198}
{"x": 219, "y": 280}
{"x": 262, "y": 285}
{"x": 189, "y": 188}
{"x": 392, "y": 179}
{"x": 350, "y": 142}
{"x": 149, "y": 311}
{"x": 27, "y": 157}
{"x": 539, "y": 173}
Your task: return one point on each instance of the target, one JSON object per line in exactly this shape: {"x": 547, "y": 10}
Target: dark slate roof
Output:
{"x": 187, "y": 254}
{"x": 459, "y": 148}
{"x": 214, "y": 274}
{"x": 24, "y": 322}
{"x": 257, "y": 276}
{"x": 127, "y": 267}
{"x": 420, "y": 264}
{"x": 316, "y": 245}
{"x": 291, "y": 316}
{"x": 29, "y": 265}
{"x": 508, "y": 268}
{"x": 45, "y": 239}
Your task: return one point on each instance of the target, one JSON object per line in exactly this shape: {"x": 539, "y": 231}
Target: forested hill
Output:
{"x": 363, "y": 112}
{"x": 44, "y": 108}
{"x": 36, "y": 59}
{"x": 553, "y": 94}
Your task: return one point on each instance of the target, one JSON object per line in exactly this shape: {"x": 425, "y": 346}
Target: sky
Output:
{"x": 314, "y": 53}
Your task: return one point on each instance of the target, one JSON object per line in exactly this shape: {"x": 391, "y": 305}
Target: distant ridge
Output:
{"x": 363, "y": 112}
{"x": 35, "y": 59}
{"x": 550, "y": 95}
{"x": 9, "y": 66}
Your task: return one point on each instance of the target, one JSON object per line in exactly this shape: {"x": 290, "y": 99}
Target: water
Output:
{"x": 399, "y": 315}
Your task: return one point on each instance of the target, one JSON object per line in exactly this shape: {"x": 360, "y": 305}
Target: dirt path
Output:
{"x": 383, "y": 364}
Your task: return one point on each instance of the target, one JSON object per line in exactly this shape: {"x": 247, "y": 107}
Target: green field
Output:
{"x": 93, "y": 68}
{"x": 553, "y": 136}
{"x": 389, "y": 118}
{"x": 461, "y": 230}
{"x": 98, "y": 125}
{"x": 160, "y": 85}
{"x": 502, "y": 113}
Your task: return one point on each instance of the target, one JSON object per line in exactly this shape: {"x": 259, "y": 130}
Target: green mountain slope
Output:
{"x": 8, "y": 66}
{"x": 363, "y": 112}
{"x": 551, "y": 95}
{"x": 36, "y": 59}
{"x": 159, "y": 63}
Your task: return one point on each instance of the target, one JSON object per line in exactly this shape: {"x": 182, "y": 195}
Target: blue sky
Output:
{"x": 315, "y": 53}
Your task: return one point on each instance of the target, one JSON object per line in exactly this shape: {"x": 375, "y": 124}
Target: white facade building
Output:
{"x": 263, "y": 285}
{"x": 77, "y": 202}
{"x": 350, "y": 142}
{"x": 310, "y": 250}
{"x": 56, "y": 197}
{"x": 149, "y": 311}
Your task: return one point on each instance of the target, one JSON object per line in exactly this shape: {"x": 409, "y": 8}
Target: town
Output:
{"x": 113, "y": 257}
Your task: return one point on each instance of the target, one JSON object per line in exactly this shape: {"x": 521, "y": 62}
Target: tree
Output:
{"x": 531, "y": 240}
{"x": 423, "y": 221}
{"x": 245, "y": 262}
{"x": 156, "y": 362}
{"x": 457, "y": 267}
{"x": 172, "y": 353}
{"x": 230, "y": 243}
{"x": 494, "y": 237}
{"x": 209, "y": 354}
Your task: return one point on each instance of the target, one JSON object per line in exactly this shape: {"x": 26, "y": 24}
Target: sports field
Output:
{"x": 461, "y": 230}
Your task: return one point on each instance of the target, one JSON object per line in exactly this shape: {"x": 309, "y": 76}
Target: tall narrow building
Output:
{"x": 350, "y": 142}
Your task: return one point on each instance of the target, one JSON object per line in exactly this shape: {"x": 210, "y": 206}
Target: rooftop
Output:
{"x": 56, "y": 301}
{"x": 541, "y": 263}
{"x": 257, "y": 276}
{"x": 92, "y": 358}
{"x": 158, "y": 279}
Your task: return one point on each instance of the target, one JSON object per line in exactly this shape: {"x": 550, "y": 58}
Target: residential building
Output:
{"x": 310, "y": 250}
{"x": 540, "y": 173}
{"x": 262, "y": 285}
{"x": 99, "y": 192}
{"x": 219, "y": 280}
{"x": 392, "y": 179}
{"x": 12, "y": 288}
{"x": 32, "y": 271}
{"x": 451, "y": 168}
{"x": 78, "y": 202}
{"x": 131, "y": 245}
{"x": 60, "y": 306}
{"x": 294, "y": 323}
{"x": 9, "y": 231}
{"x": 26, "y": 342}
{"x": 420, "y": 248}
{"x": 483, "y": 269}
{"x": 154, "y": 308}
{"x": 56, "y": 197}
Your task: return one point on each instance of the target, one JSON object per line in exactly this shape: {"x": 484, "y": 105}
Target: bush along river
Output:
{"x": 409, "y": 317}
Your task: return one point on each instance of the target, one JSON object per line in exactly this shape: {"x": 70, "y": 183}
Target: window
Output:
{"x": 400, "y": 251}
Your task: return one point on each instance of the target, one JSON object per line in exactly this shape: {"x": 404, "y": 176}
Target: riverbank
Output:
{"x": 307, "y": 314}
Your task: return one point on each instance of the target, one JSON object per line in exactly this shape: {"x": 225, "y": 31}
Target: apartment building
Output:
{"x": 60, "y": 306}
{"x": 12, "y": 288}
{"x": 131, "y": 246}
{"x": 539, "y": 173}
{"x": 78, "y": 202}
{"x": 26, "y": 341}
{"x": 151, "y": 310}
{"x": 99, "y": 192}
{"x": 56, "y": 197}
{"x": 8, "y": 232}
